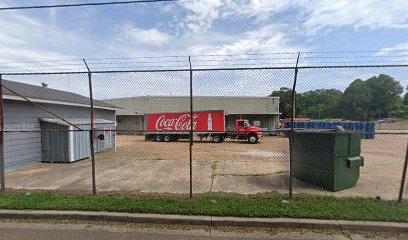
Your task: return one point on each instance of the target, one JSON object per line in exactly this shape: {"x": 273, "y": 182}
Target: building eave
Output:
{"x": 38, "y": 100}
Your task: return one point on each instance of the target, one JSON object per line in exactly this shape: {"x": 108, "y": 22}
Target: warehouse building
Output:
{"x": 260, "y": 111}
{"x": 22, "y": 149}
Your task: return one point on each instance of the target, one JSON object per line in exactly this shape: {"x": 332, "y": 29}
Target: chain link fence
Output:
{"x": 370, "y": 167}
{"x": 344, "y": 141}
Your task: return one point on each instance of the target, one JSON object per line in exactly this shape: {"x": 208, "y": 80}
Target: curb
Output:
{"x": 340, "y": 225}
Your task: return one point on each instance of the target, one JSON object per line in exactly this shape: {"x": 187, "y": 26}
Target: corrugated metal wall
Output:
{"x": 230, "y": 105}
{"x": 81, "y": 148}
{"x": 266, "y": 121}
{"x": 24, "y": 149}
{"x": 109, "y": 141}
{"x": 263, "y": 109}
{"x": 130, "y": 123}
{"x": 54, "y": 145}
{"x": 74, "y": 145}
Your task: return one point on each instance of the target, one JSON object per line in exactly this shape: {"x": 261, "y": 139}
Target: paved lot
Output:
{"x": 151, "y": 167}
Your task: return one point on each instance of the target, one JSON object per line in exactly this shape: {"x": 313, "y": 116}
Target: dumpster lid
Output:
{"x": 322, "y": 131}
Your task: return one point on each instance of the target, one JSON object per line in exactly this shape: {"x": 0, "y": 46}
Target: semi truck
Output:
{"x": 169, "y": 127}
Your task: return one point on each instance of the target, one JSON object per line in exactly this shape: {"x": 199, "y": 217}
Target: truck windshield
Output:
{"x": 243, "y": 124}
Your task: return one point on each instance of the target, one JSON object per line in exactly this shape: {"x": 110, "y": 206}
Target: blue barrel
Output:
{"x": 312, "y": 124}
{"x": 298, "y": 124}
{"x": 329, "y": 125}
{"x": 372, "y": 126}
{"x": 319, "y": 125}
{"x": 360, "y": 126}
{"x": 351, "y": 126}
{"x": 363, "y": 128}
{"x": 371, "y": 130}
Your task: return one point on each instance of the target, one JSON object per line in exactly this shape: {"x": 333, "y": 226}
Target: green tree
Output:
{"x": 356, "y": 101}
{"x": 400, "y": 109}
{"x": 321, "y": 103}
{"x": 385, "y": 92}
{"x": 376, "y": 97}
{"x": 285, "y": 102}
{"x": 406, "y": 97}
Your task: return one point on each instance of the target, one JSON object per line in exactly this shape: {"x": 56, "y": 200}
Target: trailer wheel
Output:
{"x": 217, "y": 138}
{"x": 159, "y": 138}
{"x": 253, "y": 139}
{"x": 167, "y": 138}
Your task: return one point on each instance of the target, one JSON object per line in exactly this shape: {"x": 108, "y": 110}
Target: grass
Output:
{"x": 216, "y": 204}
{"x": 402, "y": 121}
{"x": 214, "y": 166}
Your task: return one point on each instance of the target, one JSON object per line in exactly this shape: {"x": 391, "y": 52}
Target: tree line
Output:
{"x": 363, "y": 100}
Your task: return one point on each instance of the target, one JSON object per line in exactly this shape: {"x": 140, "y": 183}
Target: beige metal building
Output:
{"x": 260, "y": 111}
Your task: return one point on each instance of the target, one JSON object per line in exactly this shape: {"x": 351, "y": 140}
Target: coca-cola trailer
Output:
{"x": 168, "y": 127}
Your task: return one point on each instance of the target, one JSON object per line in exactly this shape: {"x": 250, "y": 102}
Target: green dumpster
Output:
{"x": 328, "y": 159}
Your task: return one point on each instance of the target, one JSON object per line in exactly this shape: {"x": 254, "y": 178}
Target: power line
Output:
{"x": 83, "y": 4}
{"x": 356, "y": 51}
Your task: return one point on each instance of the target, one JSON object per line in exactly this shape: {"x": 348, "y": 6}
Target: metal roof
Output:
{"x": 75, "y": 121}
{"x": 230, "y": 105}
{"x": 48, "y": 94}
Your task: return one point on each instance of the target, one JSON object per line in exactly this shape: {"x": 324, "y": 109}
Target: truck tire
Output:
{"x": 159, "y": 138}
{"x": 253, "y": 139}
{"x": 168, "y": 138}
{"x": 217, "y": 138}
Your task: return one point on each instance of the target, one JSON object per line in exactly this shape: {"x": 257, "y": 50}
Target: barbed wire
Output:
{"x": 82, "y": 4}
{"x": 232, "y": 57}
{"x": 217, "y": 60}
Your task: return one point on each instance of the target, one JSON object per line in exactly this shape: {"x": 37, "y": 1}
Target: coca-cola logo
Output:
{"x": 182, "y": 123}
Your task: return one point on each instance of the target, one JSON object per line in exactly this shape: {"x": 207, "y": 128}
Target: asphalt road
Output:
{"x": 49, "y": 231}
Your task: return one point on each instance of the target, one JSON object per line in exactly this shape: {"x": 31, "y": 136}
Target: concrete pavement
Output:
{"x": 47, "y": 231}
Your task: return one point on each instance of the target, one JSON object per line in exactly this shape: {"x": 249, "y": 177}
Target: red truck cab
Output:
{"x": 245, "y": 130}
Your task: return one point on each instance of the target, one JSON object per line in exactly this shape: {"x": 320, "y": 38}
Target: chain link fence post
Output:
{"x": 191, "y": 128}
{"x": 293, "y": 99}
{"x": 92, "y": 131}
{"x": 404, "y": 175}
{"x": 2, "y": 167}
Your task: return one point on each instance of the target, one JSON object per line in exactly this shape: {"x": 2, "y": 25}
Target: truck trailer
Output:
{"x": 169, "y": 127}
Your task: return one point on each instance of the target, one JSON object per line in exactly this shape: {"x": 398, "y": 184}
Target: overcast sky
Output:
{"x": 206, "y": 27}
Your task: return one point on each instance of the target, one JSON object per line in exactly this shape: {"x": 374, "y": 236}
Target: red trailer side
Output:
{"x": 203, "y": 121}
